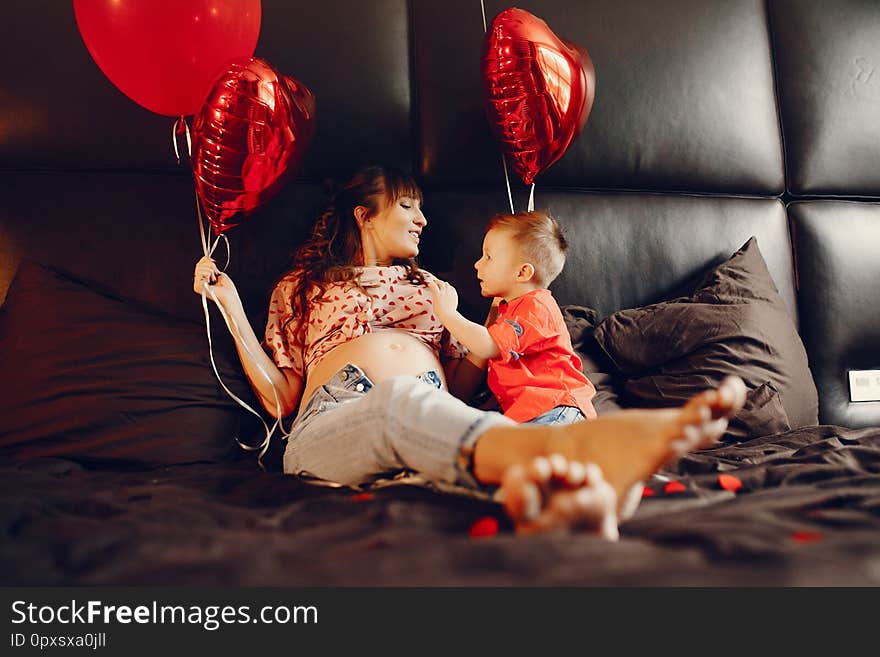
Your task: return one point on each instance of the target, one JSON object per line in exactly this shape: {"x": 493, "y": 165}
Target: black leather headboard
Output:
{"x": 828, "y": 65}
{"x": 695, "y": 79}
{"x": 625, "y": 250}
{"x": 839, "y": 272}
{"x": 710, "y": 118}
{"x": 59, "y": 111}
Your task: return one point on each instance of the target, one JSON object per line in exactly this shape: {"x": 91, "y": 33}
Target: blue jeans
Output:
{"x": 352, "y": 431}
{"x": 559, "y": 415}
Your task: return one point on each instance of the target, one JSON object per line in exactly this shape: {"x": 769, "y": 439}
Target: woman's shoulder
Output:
{"x": 286, "y": 283}
{"x": 284, "y": 290}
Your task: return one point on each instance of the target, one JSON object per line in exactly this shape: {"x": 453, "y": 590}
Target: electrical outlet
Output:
{"x": 864, "y": 385}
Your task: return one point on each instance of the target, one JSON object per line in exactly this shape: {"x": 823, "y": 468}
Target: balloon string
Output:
{"x": 532, "y": 198}
{"x": 226, "y": 242}
{"x": 503, "y": 160}
{"x": 202, "y": 233}
{"x": 208, "y": 248}
{"x": 507, "y": 180}
{"x": 174, "y": 140}
{"x": 232, "y": 325}
{"x": 175, "y": 128}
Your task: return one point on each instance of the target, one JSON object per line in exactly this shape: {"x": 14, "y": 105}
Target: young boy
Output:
{"x": 533, "y": 370}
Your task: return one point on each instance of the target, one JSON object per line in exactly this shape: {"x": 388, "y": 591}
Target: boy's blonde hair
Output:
{"x": 540, "y": 241}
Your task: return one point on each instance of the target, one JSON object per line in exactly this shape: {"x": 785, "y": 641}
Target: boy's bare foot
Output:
{"x": 627, "y": 447}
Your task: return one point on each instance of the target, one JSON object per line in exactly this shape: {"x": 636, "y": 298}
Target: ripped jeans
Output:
{"x": 353, "y": 431}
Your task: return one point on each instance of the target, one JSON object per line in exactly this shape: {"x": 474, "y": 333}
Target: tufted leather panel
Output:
{"x": 59, "y": 111}
{"x": 828, "y": 68}
{"x": 684, "y": 95}
{"x": 138, "y": 234}
{"x": 625, "y": 250}
{"x": 839, "y": 299}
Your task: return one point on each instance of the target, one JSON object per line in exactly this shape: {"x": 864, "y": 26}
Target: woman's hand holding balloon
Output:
{"x": 221, "y": 286}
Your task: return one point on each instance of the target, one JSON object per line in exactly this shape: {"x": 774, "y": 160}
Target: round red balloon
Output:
{"x": 250, "y": 134}
{"x": 538, "y": 90}
{"x": 163, "y": 54}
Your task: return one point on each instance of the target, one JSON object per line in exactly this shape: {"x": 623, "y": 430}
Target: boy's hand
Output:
{"x": 445, "y": 298}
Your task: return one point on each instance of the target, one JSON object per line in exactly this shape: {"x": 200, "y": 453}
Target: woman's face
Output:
{"x": 394, "y": 231}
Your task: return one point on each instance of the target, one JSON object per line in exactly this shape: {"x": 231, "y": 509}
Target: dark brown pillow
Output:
{"x": 581, "y": 323}
{"x": 734, "y": 323}
{"x": 95, "y": 377}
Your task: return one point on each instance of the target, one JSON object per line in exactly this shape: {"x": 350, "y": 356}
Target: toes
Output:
{"x": 553, "y": 493}
{"x": 699, "y": 409}
{"x": 513, "y": 493}
{"x": 540, "y": 470}
{"x": 712, "y": 432}
{"x": 593, "y": 474}
{"x": 577, "y": 474}
{"x": 521, "y": 495}
{"x": 593, "y": 505}
{"x": 723, "y": 402}
{"x": 631, "y": 501}
{"x": 558, "y": 466}
{"x": 531, "y": 495}
{"x": 734, "y": 388}
{"x": 595, "y": 508}
{"x": 555, "y": 471}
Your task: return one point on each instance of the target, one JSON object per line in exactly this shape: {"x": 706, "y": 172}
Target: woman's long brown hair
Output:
{"x": 334, "y": 248}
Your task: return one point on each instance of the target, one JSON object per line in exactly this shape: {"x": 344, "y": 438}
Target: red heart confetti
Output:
{"x": 362, "y": 497}
{"x": 806, "y": 536}
{"x": 484, "y": 527}
{"x": 674, "y": 487}
{"x": 729, "y": 482}
{"x": 647, "y": 492}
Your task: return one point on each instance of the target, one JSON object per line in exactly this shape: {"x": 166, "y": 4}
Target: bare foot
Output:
{"x": 555, "y": 493}
{"x": 627, "y": 447}
{"x": 631, "y": 445}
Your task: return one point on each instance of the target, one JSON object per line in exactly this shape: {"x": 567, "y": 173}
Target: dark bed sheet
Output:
{"x": 808, "y": 513}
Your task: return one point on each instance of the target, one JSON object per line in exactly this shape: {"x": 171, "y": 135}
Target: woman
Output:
{"x": 353, "y": 345}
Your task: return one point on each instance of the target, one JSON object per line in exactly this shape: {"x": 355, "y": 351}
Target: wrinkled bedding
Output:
{"x": 807, "y": 513}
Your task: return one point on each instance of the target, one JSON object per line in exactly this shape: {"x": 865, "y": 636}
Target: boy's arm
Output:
{"x": 473, "y": 336}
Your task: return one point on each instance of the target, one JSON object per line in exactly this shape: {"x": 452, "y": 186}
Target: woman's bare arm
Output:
{"x": 284, "y": 381}
{"x": 264, "y": 375}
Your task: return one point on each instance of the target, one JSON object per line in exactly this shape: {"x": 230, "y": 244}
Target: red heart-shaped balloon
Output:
{"x": 250, "y": 134}
{"x": 538, "y": 90}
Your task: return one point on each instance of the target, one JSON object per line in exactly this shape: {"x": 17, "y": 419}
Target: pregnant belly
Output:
{"x": 380, "y": 355}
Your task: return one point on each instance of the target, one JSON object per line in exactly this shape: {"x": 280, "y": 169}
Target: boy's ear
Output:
{"x": 526, "y": 272}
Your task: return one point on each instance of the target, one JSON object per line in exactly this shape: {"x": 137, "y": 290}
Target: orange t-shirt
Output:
{"x": 537, "y": 368}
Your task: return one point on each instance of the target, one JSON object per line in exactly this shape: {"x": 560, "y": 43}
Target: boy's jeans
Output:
{"x": 559, "y": 415}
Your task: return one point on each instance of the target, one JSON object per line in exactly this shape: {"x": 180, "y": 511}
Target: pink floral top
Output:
{"x": 382, "y": 297}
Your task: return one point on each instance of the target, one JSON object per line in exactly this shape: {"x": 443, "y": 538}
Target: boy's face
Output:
{"x": 500, "y": 264}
